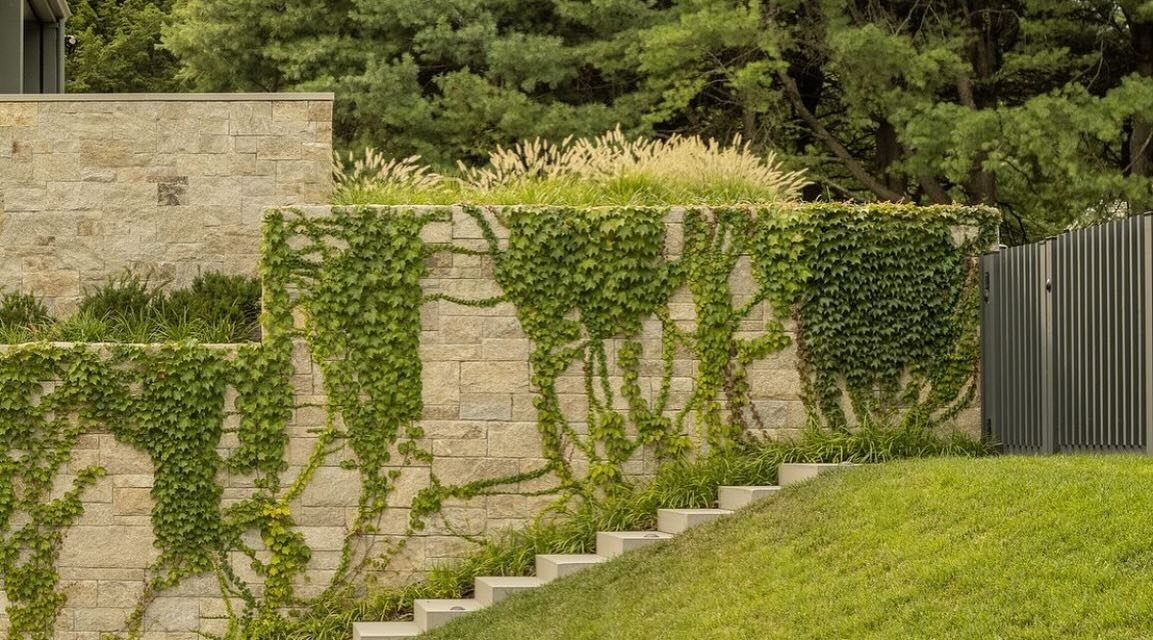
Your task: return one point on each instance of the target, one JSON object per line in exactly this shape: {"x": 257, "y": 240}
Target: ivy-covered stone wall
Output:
{"x": 431, "y": 374}
{"x": 173, "y": 185}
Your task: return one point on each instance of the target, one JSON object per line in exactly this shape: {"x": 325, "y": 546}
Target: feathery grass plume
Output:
{"x": 375, "y": 167}
{"x": 610, "y": 169}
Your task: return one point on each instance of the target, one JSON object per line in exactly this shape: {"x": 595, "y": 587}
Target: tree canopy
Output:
{"x": 1040, "y": 107}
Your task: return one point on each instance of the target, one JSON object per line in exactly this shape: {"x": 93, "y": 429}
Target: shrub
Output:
{"x": 127, "y": 293}
{"x": 22, "y": 311}
{"x": 230, "y": 305}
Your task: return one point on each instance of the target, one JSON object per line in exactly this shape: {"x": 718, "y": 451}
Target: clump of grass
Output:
{"x": 607, "y": 170}
{"x": 22, "y": 312}
{"x": 130, "y": 308}
{"x": 126, "y": 293}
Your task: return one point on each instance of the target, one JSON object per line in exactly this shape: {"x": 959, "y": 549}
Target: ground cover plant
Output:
{"x": 129, "y": 308}
{"x": 1002, "y": 547}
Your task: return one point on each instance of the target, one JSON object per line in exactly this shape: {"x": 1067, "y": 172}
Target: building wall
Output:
{"x": 173, "y": 185}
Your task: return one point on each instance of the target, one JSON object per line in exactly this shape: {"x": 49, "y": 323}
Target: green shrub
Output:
{"x": 218, "y": 300}
{"x": 22, "y": 311}
{"x": 129, "y": 308}
{"x": 128, "y": 293}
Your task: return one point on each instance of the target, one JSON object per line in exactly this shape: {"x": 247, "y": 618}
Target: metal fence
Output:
{"x": 1067, "y": 341}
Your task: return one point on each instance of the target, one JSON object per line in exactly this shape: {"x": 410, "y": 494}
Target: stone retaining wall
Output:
{"x": 479, "y": 423}
{"x": 170, "y": 184}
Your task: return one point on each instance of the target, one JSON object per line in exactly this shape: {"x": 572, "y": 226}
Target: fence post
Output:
{"x": 1146, "y": 279}
{"x": 1045, "y": 302}
{"x": 989, "y": 339}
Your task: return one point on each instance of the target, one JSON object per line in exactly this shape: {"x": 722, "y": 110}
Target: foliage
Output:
{"x": 885, "y": 304}
{"x": 217, "y": 298}
{"x": 606, "y": 170}
{"x": 128, "y": 308}
{"x": 1035, "y": 107}
{"x": 118, "y": 48}
{"x": 22, "y": 311}
{"x": 128, "y": 293}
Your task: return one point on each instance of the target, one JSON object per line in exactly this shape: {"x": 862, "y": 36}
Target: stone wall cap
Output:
{"x": 170, "y": 97}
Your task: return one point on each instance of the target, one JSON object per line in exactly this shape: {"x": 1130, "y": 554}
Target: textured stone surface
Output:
{"x": 101, "y": 186}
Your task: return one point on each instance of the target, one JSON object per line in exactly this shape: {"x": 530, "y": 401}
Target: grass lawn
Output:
{"x": 1007, "y": 547}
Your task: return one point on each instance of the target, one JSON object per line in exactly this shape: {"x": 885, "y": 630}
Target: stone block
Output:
{"x": 332, "y": 487}
{"x": 132, "y": 501}
{"x": 172, "y": 614}
{"x": 505, "y": 349}
{"x": 514, "y": 440}
{"x": 108, "y": 547}
{"x": 80, "y": 593}
{"x": 453, "y": 471}
{"x": 119, "y": 594}
{"x": 441, "y": 382}
{"x": 99, "y": 619}
{"x": 775, "y": 384}
{"x": 18, "y": 114}
{"x": 459, "y": 448}
{"x": 485, "y": 406}
{"x": 494, "y": 377}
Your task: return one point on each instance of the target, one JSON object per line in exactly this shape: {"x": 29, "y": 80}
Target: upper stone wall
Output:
{"x": 168, "y": 184}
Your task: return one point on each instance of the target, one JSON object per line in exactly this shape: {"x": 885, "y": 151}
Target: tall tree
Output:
{"x": 118, "y": 48}
{"x": 447, "y": 79}
{"x": 1040, "y": 107}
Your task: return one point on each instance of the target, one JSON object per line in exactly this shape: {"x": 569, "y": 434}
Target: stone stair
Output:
{"x": 429, "y": 614}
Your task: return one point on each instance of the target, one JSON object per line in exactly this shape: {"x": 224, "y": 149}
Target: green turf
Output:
{"x": 1006, "y": 547}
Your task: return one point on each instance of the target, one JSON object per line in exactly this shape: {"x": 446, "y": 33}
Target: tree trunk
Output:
{"x": 1140, "y": 145}
{"x": 888, "y": 153}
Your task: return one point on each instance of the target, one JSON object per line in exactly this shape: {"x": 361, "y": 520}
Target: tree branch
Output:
{"x": 864, "y": 177}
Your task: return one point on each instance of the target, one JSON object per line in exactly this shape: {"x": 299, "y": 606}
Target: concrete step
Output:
{"x": 430, "y": 614}
{"x": 737, "y": 497}
{"x": 492, "y": 589}
{"x": 384, "y": 630}
{"x": 792, "y": 472}
{"x": 611, "y": 544}
{"x": 549, "y": 567}
{"x": 677, "y": 520}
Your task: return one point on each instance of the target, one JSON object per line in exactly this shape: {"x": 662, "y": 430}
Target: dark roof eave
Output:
{"x": 48, "y": 11}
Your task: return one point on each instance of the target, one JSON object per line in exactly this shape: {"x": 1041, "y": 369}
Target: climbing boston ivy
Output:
{"x": 879, "y": 300}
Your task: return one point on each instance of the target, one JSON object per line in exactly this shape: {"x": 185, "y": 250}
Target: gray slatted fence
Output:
{"x": 1067, "y": 341}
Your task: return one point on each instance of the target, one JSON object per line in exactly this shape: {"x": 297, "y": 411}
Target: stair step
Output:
{"x": 677, "y": 520}
{"x": 384, "y": 630}
{"x": 611, "y": 544}
{"x": 549, "y": 567}
{"x": 737, "y": 497}
{"x": 792, "y": 472}
{"x": 493, "y": 589}
{"x": 430, "y": 614}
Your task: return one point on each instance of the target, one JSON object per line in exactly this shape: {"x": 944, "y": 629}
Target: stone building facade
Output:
{"x": 171, "y": 185}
